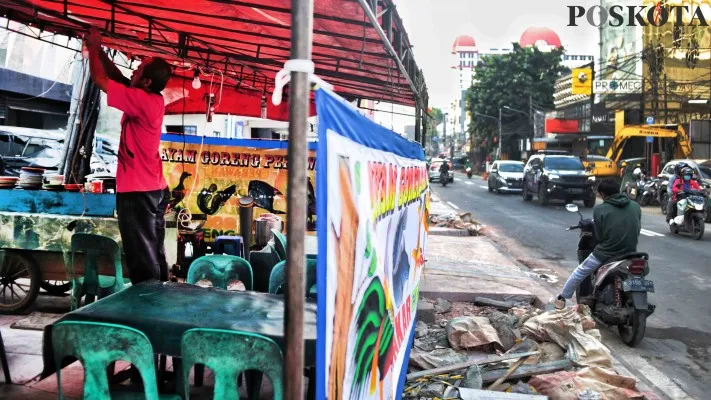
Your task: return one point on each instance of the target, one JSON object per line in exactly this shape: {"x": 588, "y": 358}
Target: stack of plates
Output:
{"x": 30, "y": 178}
{"x": 8, "y": 182}
{"x": 53, "y": 181}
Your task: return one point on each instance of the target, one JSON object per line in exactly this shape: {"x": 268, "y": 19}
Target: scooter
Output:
{"x": 617, "y": 292}
{"x": 469, "y": 172}
{"x": 443, "y": 178}
{"x": 691, "y": 208}
{"x": 649, "y": 191}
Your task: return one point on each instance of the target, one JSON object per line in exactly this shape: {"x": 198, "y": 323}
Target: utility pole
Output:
{"x": 500, "y": 153}
{"x": 444, "y": 133}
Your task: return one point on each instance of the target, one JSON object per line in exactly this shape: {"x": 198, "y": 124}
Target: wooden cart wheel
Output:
{"x": 19, "y": 283}
{"x": 56, "y": 288}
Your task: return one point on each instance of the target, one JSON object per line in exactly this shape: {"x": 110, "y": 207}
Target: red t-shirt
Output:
{"x": 139, "y": 165}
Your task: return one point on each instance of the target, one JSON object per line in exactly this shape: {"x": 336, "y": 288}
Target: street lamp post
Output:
{"x": 500, "y": 137}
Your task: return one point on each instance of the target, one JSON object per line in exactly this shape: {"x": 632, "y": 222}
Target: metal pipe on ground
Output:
{"x": 301, "y": 38}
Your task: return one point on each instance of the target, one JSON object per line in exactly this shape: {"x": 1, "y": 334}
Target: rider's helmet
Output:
{"x": 637, "y": 173}
{"x": 680, "y": 167}
{"x": 687, "y": 173}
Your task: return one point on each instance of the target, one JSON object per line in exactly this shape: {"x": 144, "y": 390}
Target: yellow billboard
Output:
{"x": 582, "y": 81}
{"x": 208, "y": 176}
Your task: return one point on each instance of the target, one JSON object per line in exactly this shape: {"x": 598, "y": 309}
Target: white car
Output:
{"x": 433, "y": 172}
{"x": 506, "y": 176}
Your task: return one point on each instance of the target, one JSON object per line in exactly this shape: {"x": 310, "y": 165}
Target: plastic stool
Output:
{"x": 230, "y": 245}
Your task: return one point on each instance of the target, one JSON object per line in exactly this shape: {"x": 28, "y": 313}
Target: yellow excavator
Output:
{"x": 683, "y": 147}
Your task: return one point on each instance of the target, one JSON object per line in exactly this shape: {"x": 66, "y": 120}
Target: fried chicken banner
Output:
{"x": 209, "y": 175}
{"x": 372, "y": 233}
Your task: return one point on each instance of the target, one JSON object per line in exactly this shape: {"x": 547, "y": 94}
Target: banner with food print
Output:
{"x": 208, "y": 176}
{"x": 372, "y": 233}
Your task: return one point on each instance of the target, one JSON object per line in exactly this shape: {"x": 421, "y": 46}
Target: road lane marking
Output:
{"x": 457, "y": 179}
{"x": 484, "y": 187}
{"x": 646, "y": 232}
{"x": 468, "y": 183}
{"x": 453, "y": 205}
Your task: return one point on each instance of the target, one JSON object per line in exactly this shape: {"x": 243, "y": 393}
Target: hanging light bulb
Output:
{"x": 196, "y": 80}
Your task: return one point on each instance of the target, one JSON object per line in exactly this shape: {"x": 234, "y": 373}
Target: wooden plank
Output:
{"x": 508, "y": 373}
{"x": 527, "y": 370}
{"x": 454, "y": 367}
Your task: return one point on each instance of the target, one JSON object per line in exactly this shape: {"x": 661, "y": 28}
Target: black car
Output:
{"x": 557, "y": 176}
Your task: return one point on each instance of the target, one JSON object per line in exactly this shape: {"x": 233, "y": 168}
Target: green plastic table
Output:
{"x": 165, "y": 310}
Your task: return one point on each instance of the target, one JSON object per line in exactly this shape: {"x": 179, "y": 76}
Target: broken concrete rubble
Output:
{"x": 505, "y": 326}
{"x": 554, "y": 343}
{"x": 462, "y": 221}
{"x": 421, "y": 329}
{"x": 442, "y": 306}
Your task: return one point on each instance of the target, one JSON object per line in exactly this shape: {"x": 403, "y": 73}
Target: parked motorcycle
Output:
{"x": 469, "y": 172}
{"x": 634, "y": 189}
{"x": 443, "y": 178}
{"x": 649, "y": 192}
{"x": 617, "y": 292}
{"x": 692, "y": 206}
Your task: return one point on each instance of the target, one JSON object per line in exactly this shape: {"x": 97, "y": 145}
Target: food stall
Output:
{"x": 234, "y": 50}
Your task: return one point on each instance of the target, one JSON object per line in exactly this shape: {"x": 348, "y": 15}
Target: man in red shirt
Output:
{"x": 142, "y": 194}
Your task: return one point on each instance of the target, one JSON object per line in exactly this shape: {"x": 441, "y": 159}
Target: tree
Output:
{"x": 510, "y": 80}
{"x": 437, "y": 116}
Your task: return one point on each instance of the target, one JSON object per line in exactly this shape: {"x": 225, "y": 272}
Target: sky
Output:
{"x": 432, "y": 26}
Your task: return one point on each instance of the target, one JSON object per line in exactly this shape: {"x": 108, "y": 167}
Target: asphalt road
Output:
{"x": 676, "y": 351}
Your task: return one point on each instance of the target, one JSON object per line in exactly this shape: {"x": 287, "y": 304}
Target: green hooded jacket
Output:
{"x": 617, "y": 224}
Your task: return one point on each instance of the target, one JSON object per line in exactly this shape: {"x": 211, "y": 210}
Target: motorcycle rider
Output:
{"x": 686, "y": 182}
{"x": 617, "y": 225}
{"x": 671, "y": 204}
{"x": 444, "y": 169}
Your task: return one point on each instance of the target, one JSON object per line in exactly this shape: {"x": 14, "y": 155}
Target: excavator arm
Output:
{"x": 683, "y": 149}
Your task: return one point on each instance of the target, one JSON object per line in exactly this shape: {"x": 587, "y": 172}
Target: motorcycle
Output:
{"x": 443, "y": 178}
{"x": 634, "y": 189}
{"x": 469, "y": 172}
{"x": 649, "y": 192}
{"x": 617, "y": 292}
{"x": 692, "y": 206}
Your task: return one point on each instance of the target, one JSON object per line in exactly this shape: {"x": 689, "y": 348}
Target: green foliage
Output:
{"x": 437, "y": 118}
{"x": 509, "y": 80}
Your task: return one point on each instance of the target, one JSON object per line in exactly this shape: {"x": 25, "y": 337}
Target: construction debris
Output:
{"x": 461, "y": 352}
{"x": 462, "y": 221}
{"x": 472, "y": 333}
{"x": 461, "y": 366}
{"x": 442, "y": 306}
{"x": 570, "y": 384}
{"x": 565, "y": 328}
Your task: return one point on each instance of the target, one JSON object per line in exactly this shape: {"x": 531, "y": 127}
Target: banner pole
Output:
{"x": 299, "y": 89}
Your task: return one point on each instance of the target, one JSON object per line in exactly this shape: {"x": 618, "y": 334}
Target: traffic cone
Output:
{"x": 483, "y": 176}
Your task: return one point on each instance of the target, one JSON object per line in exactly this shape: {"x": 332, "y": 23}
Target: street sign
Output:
{"x": 581, "y": 81}
{"x": 650, "y": 139}
{"x": 617, "y": 86}
{"x": 650, "y": 120}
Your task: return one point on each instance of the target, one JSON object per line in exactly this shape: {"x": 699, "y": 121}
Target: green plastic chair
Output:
{"x": 220, "y": 269}
{"x": 279, "y": 243}
{"x": 92, "y": 285}
{"x": 229, "y": 353}
{"x": 96, "y": 346}
{"x": 277, "y": 279}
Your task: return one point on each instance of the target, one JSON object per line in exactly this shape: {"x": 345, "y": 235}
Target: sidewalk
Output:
{"x": 478, "y": 267}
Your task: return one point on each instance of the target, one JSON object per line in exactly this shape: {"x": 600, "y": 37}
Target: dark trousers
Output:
{"x": 141, "y": 218}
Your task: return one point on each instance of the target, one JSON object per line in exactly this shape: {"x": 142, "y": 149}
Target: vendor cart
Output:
{"x": 35, "y": 240}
